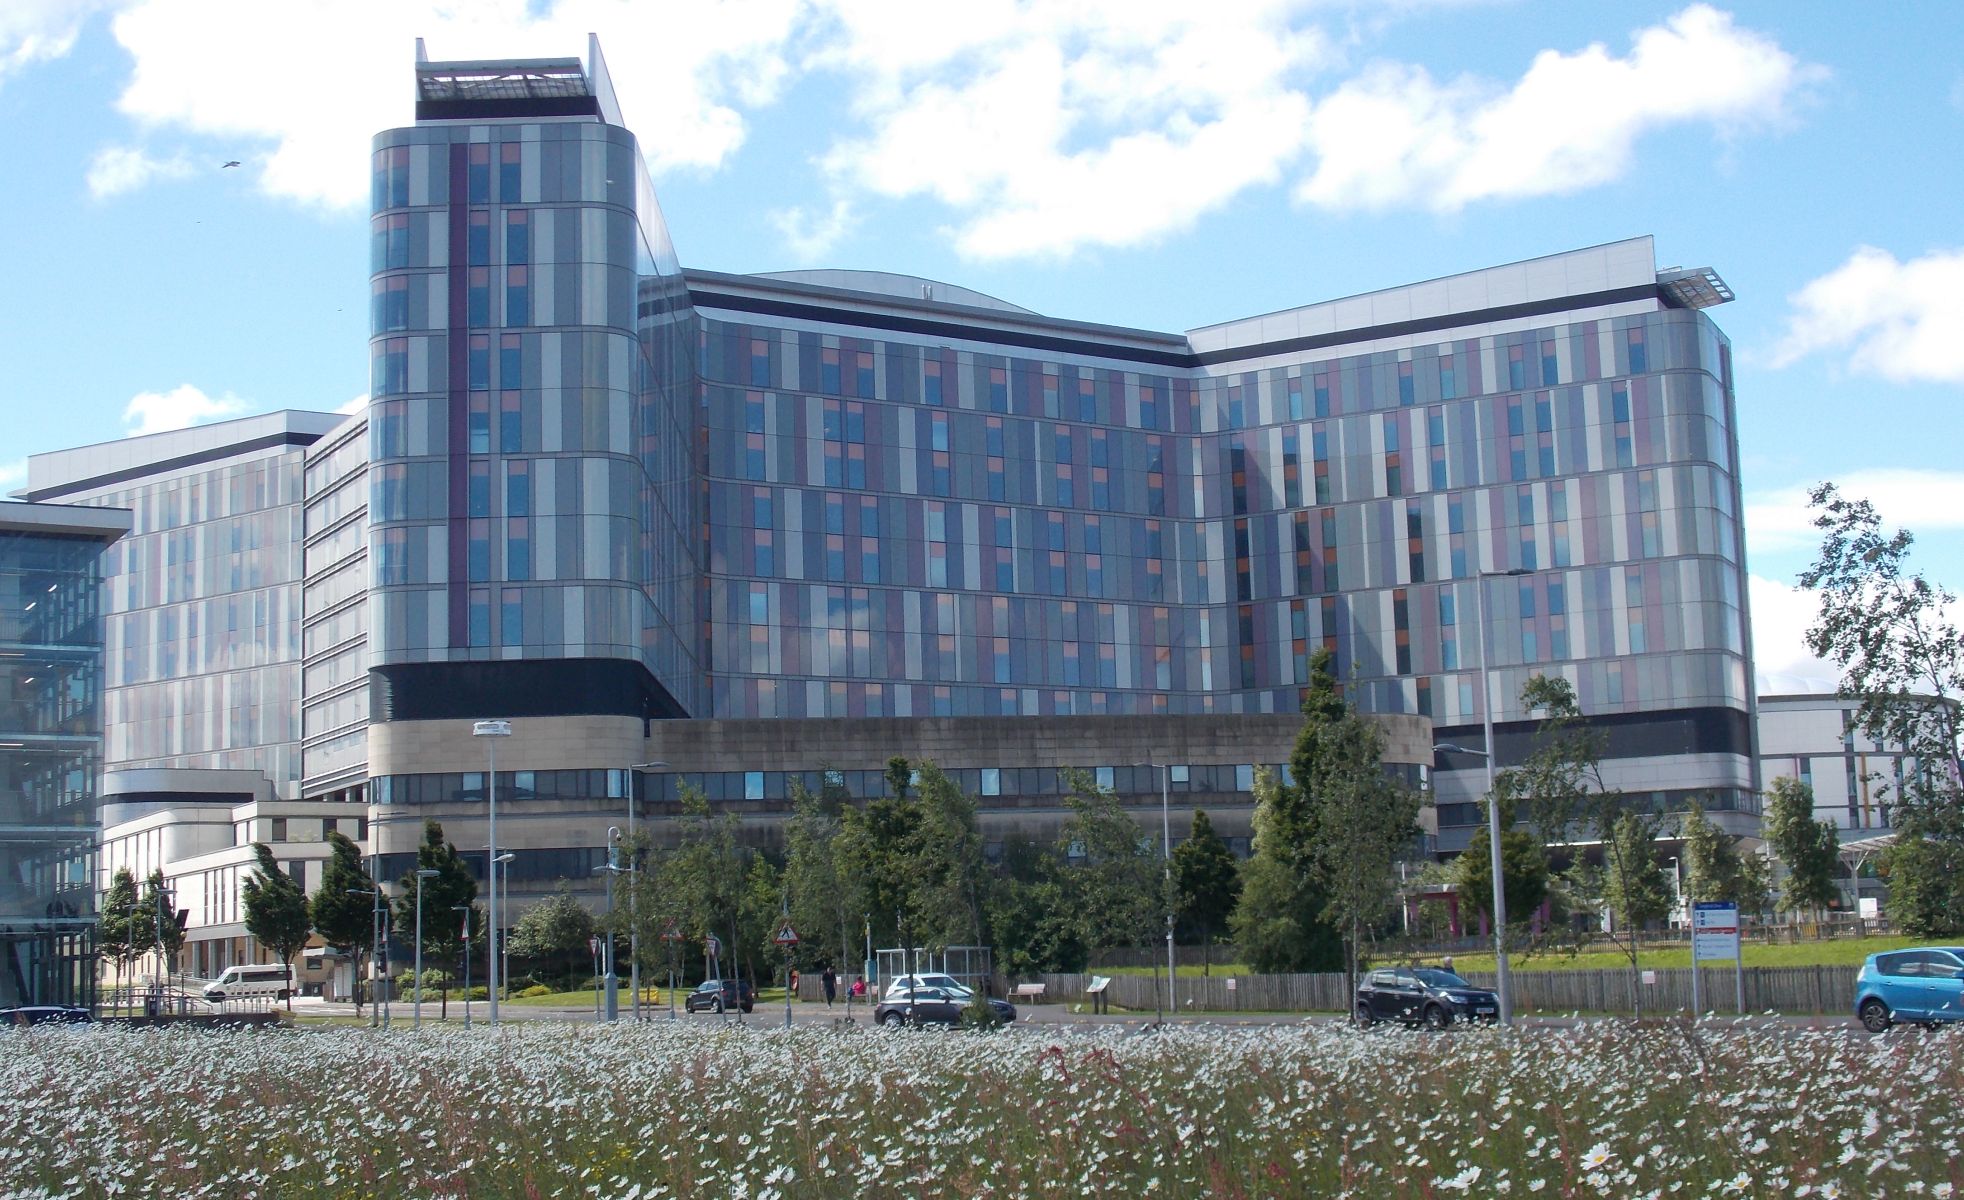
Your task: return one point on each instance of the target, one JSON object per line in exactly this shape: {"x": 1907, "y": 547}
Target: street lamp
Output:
{"x": 421, "y": 875}
{"x": 492, "y": 730}
{"x": 1166, "y": 853}
{"x": 374, "y": 951}
{"x": 1503, "y": 988}
{"x": 466, "y": 910}
{"x": 633, "y": 886}
{"x": 611, "y": 868}
{"x": 504, "y": 885}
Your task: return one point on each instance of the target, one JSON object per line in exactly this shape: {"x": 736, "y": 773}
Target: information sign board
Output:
{"x": 1714, "y": 931}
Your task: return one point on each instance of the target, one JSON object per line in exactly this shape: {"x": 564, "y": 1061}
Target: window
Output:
{"x": 753, "y": 785}
{"x": 1244, "y": 778}
{"x": 1105, "y": 775}
{"x": 518, "y": 237}
{"x": 991, "y": 781}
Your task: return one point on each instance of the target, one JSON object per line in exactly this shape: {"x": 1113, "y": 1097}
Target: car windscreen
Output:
{"x": 1441, "y": 979}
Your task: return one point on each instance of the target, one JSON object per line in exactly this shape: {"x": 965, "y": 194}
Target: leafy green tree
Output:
{"x": 275, "y": 909}
{"x": 760, "y": 913}
{"x": 699, "y": 882}
{"x": 1282, "y": 922}
{"x": 1891, "y": 632}
{"x": 1028, "y": 908}
{"x": 554, "y": 935}
{"x": 452, "y": 886}
{"x": 875, "y": 849}
{"x": 1362, "y": 822}
{"x": 116, "y": 935}
{"x": 1810, "y": 849}
{"x": 1208, "y": 883}
{"x": 342, "y": 919}
{"x": 1523, "y": 871}
{"x": 158, "y": 918}
{"x": 1116, "y": 886}
{"x": 1564, "y": 774}
{"x": 1715, "y": 868}
{"x": 821, "y": 904}
{"x": 1279, "y": 923}
{"x": 948, "y": 862}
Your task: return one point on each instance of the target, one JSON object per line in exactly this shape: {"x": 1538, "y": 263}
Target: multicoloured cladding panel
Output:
{"x": 907, "y": 529}
{"x": 532, "y": 429}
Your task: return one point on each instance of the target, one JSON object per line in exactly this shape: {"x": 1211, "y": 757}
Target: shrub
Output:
{"x": 537, "y": 989}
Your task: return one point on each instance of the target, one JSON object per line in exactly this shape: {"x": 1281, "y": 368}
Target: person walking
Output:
{"x": 830, "y": 980}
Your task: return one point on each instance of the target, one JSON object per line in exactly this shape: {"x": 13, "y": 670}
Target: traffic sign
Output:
{"x": 786, "y": 936}
{"x": 670, "y": 933}
{"x": 713, "y": 945}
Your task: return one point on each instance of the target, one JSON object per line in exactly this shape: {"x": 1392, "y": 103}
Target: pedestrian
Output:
{"x": 1449, "y": 964}
{"x": 794, "y": 983}
{"x": 830, "y": 979}
{"x": 859, "y": 989}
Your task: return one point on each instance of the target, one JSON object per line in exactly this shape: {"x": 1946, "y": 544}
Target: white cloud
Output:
{"x": 116, "y": 169}
{"x": 1395, "y": 136}
{"x": 1899, "y": 320}
{"x": 1923, "y": 501}
{"x": 224, "y": 69}
{"x": 1782, "y": 663}
{"x": 810, "y": 236}
{"x": 180, "y": 408}
{"x": 12, "y": 475}
{"x": 354, "y": 406}
{"x": 1053, "y": 125}
{"x": 38, "y": 30}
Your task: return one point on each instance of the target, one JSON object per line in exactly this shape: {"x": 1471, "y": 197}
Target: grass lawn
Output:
{"x": 584, "y": 998}
{"x": 1832, "y": 952}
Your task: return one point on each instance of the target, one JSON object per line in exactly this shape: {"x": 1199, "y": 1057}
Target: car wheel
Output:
{"x": 1875, "y": 1015}
{"x": 1363, "y": 1017}
{"x": 749, "y": 1007}
{"x": 283, "y": 996}
{"x": 1437, "y": 1017}
{"x": 716, "y": 1005}
{"x": 892, "y": 1019}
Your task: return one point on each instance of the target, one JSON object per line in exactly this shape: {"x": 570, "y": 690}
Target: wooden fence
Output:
{"x": 1806, "y": 990}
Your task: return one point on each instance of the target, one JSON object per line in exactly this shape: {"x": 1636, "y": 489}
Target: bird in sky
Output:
{"x": 233, "y": 163}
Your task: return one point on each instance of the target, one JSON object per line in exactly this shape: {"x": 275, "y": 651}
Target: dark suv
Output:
{"x": 1415, "y": 995}
{"x": 720, "y": 995}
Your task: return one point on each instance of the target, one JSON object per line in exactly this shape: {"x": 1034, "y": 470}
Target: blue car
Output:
{"x": 1925, "y": 984}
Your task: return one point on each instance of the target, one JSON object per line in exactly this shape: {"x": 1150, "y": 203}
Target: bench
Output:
{"x": 1027, "y": 992}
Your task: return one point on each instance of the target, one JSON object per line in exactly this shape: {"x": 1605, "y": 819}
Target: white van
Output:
{"x": 258, "y": 979}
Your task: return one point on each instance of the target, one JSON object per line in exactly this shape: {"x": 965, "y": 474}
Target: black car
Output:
{"x": 44, "y": 1014}
{"x": 933, "y": 1006}
{"x": 1422, "y": 995}
{"x": 721, "y": 995}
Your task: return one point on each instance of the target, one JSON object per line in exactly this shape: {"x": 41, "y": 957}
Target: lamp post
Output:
{"x": 634, "y": 886}
{"x": 1166, "y": 854}
{"x": 466, "y": 910}
{"x": 612, "y": 868}
{"x": 504, "y": 886}
{"x": 374, "y": 951}
{"x": 492, "y": 730}
{"x": 421, "y": 875}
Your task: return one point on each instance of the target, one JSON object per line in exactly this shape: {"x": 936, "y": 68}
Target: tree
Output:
{"x": 1902, "y": 660}
{"x": 555, "y": 933}
{"x": 342, "y": 919}
{"x": 1028, "y": 908}
{"x": 1523, "y": 873}
{"x": 1207, "y": 883}
{"x": 821, "y": 908}
{"x": 1281, "y": 922}
{"x": 116, "y": 935}
{"x": 452, "y": 886}
{"x": 1361, "y": 822}
{"x": 948, "y": 861}
{"x": 1116, "y": 883}
{"x": 1715, "y": 869}
{"x": 275, "y": 909}
{"x": 1810, "y": 849}
{"x": 157, "y": 917}
{"x": 699, "y": 881}
{"x": 1563, "y": 781}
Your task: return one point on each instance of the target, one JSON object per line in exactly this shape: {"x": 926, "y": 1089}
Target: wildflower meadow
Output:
{"x": 1317, "y": 1109}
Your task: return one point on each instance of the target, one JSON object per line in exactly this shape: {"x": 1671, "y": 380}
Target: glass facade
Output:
{"x": 901, "y": 529}
{"x": 532, "y": 491}
{"x": 51, "y": 682}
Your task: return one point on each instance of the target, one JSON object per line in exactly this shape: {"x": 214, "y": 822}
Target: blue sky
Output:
{"x": 1155, "y": 163}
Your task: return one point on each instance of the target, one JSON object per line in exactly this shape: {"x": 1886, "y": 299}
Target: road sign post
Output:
{"x": 1714, "y": 937}
{"x": 787, "y": 937}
